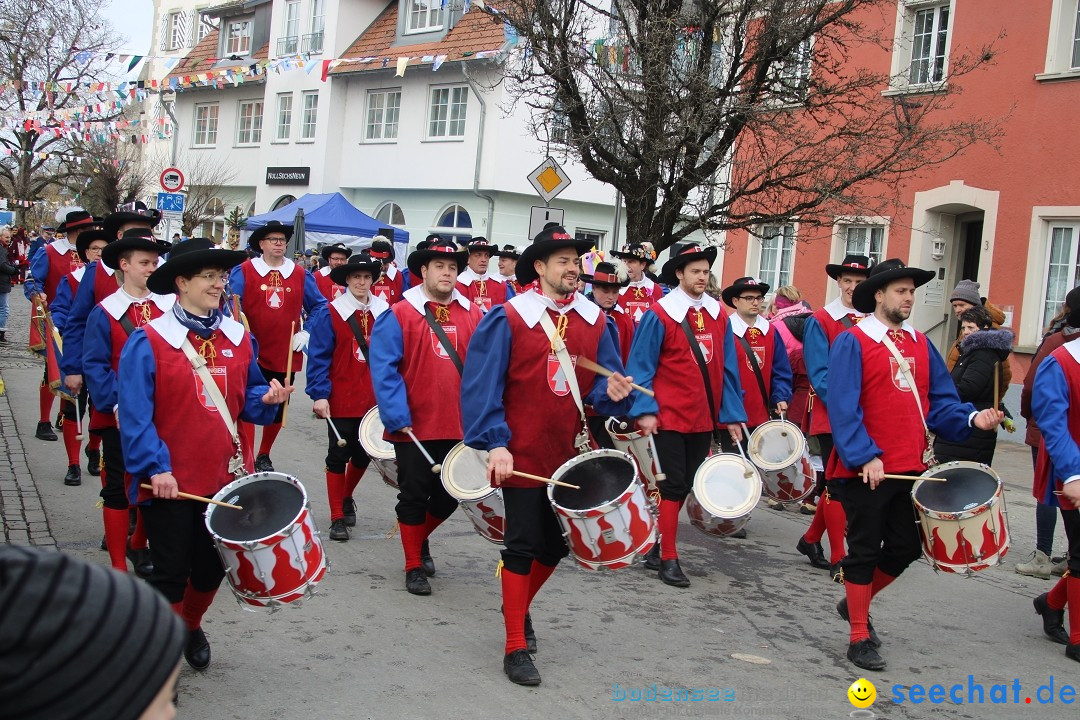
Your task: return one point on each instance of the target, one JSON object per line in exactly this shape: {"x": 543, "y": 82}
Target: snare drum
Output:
{"x": 609, "y": 522}
{"x": 963, "y": 522}
{"x": 726, "y": 490}
{"x": 776, "y": 445}
{"x": 271, "y": 549}
{"x": 794, "y": 483}
{"x": 380, "y": 451}
{"x": 633, "y": 442}
{"x": 464, "y": 475}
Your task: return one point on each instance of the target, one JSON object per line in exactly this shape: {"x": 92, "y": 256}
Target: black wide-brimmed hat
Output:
{"x": 190, "y": 257}
{"x": 382, "y": 249}
{"x": 444, "y": 249}
{"x": 329, "y": 250}
{"x": 880, "y": 276}
{"x": 79, "y": 220}
{"x": 360, "y": 262}
{"x": 606, "y": 273}
{"x": 739, "y": 286}
{"x": 272, "y": 226}
{"x": 854, "y": 264}
{"x": 687, "y": 253}
{"x": 129, "y": 213}
{"x": 133, "y": 239}
{"x": 551, "y": 238}
{"x": 508, "y": 251}
{"x": 82, "y": 242}
{"x": 1072, "y": 301}
{"x": 480, "y": 244}
{"x": 635, "y": 251}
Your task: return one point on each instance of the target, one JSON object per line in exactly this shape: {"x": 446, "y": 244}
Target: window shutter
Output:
{"x": 184, "y": 34}
{"x": 163, "y": 32}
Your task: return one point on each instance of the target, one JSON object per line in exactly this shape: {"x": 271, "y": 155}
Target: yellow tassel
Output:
{"x": 393, "y": 530}
{"x": 498, "y": 569}
{"x": 99, "y": 504}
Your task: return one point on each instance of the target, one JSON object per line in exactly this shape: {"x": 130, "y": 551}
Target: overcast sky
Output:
{"x": 133, "y": 20}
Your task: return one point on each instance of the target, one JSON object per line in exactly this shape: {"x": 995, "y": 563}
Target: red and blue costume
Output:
{"x": 485, "y": 291}
{"x": 637, "y": 297}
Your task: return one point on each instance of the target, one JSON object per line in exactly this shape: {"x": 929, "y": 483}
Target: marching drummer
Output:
{"x": 606, "y": 282}
{"x": 641, "y": 292}
{"x": 417, "y": 356}
{"x": 520, "y": 404}
{"x": 333, "y": 256}
{"x": 684, "y": 349}
{"x": 172, "y": 431}
{"x": 339, "y": 381}
{"x": 881, "y": 426}
{"x": 483, "y": 288}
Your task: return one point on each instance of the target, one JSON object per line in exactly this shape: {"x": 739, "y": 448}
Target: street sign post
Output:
{"x": 172, "y": 180}
{"x": 540, "y": 216}
{"x": 170, "y": 203}
{"x": 549, "y": 179}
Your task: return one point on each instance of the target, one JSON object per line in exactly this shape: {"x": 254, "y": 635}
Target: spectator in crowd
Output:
{"x": 964, "y": 297}
{"x": 7, "y": 272}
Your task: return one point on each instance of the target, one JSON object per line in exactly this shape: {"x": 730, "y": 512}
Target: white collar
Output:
{"x": 78, "y": 273}
{"x": 677, "y": 303}
{"x": 118, "y": 303}
{"x": 837, "y": 310}
{"x": 739, "y": 326}
{"x": 324, "y": 271}
{"x": 62, "y": 246}
{"x": 875, "y": 329}
{"x": 390, "y": 271}
{"x": 468, "y": 277}
{"x": 419, "y": 299}
{"x": 170, "y": 329}
{"x": 1073, "y": 346}
{"x": 108, "y": 270}
{"x": 263, "y": 269}
{"x": 345, "y": 305}
{"x": 507, "y": 278}
{"x": 645, "y": 282}
{"x": 532, "y": 304}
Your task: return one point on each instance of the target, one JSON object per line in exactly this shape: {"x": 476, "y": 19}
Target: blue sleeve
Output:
{"x": 483, "y": 381}
{"x": 853, "y": 444}
{"x": 144, "y": 452}
{"x": 732, "y": 409}
{"x": 509, "y": 290}
{"x": 406, "y": 280}
{"x": 607, "y": 355}
{"x": 1050, "y": 408}
{"x": 60, "y": 307}
{"x": 816, "y": 356}
{"x": 946, "y": 416}
{"x": 236, "y": 286}
{"x": 387, "y": 350}
{"x": 97, "y": 360}
{"x": 314, "y": 300}
{"x": 75, "y": 324}
{"x": 320, "y": 353}
{"x": 39, "y": 270}
{"x": 642, "y": 363}
{"x": 255, "y": 410}
{"x": 780, "y": 384}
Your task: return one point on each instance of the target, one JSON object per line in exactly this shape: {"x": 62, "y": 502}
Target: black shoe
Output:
{"x": 416, "y": 582}
{"x": 45, "y": 432}
{"x": 263, "y": 464}
{"x": 841, "y": 609}
{"x": 739, "y": 534}
{"x": 530, "y": 635}
{"x": 349, "y": 508}
{"x": 339, "y": 530}
{"x": 519, "y": 667}
{"x": 197, "y": 650}
{"x": 652, "y": 558}
{"x": 672, "y": 574}
{"x": 864, "y": 655}
{"x": 814, "y": 552}
{"x": 74, "y": 476}
{"x": 93, "y": 462}
{"x": 836, "y": 572}
{"x": 1072, "y": 651}
{"x": 140, "y": 560}
{"x": 103, "y": 545}
{"x": 1053, "y": 620}
{"x": 426, "y": 562}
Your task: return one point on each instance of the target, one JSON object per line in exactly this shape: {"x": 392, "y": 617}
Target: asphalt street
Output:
{"x": 757, "y": 629}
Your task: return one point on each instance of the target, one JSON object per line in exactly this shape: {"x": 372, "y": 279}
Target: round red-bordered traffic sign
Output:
{"x": 172, "y": 180}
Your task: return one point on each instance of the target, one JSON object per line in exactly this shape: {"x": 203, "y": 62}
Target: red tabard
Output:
{"x": 763, "y": 344}
{"x": 329, "y": 289}
{"x": 59, "y": 266}
{"x": 684, "y": 407}
{"x": 819, "y": 416}
{"x": 1043, "y": 465}
{"x": 139, "y": 314}
{"x": 270, "y": 312}
{"x": 185, "y": 417}
{"x": 625, "y": 325}
{"x": 890, "y": 414}
{"x": 389, "y": 290}
{"x": 636, "y": 300}
{"x": 485, "y": 293}
{"x": 105, "y": 284}
{"x": 432, "y": 383}
{"x": 540, "y": 409}
{"x": 517, "y": 287}
{"x": 351, "y": 394}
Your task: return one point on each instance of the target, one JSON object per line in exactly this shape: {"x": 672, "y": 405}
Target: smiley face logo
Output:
{"x": 862, "y": 693}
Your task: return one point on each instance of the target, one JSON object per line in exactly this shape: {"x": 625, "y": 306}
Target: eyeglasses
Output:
{"x": 750, "y": 298}
{"x": 213, "y": 277}
{"x": 276, "y": 241}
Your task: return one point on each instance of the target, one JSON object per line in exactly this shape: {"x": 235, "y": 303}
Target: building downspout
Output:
{"x": 480, "y": 151}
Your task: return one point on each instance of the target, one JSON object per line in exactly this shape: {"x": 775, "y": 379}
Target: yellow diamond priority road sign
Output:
{"x": 549, "y": 179}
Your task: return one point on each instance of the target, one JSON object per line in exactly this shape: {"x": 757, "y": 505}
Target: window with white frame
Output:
{"x": 424, "y": 16}
{"x": 1074, "y": 56}
{"x": 178, "y": 30}
{"x": 313, "y": 42}
{"x": 793, "y": 73}
{"x": 206, "y": 123}
{"x": 284, "y": 117}
{"x": 1063, "y": 47}
{"x": 289, "y": 42}
{"x": 383, "y": 109}
{"x": 249, "y": 123}
{"x": 922, "y": 42}
{"x": 309, "y": 114}
{"x": 454, "y": 223}
{"x": 446, "y": 115}
{"x": 390, "y": 214}
{"x": 204, "y": 26}
{"x": 238, "y": 37}
{"x": 596, "y": 237}
{"x": 1062, "y": 267}
{"x": 777, "y": 258}
{"x": 868, "y": 240}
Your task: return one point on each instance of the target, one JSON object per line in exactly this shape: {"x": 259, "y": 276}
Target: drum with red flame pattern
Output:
{"x": 727, "y": 488}
{"x": 380, "y": 451}
{"x": 464, "y": 475}
{"x": 627, "y": 438}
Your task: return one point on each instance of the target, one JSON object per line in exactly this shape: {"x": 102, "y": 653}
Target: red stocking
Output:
{"x": 515, "y": 602}
{"x": 858, "y": 604}
{"x": 669, "y": 528}
{"x": 335, "y": 493}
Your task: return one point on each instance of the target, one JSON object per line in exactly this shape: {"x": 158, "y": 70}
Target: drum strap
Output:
{"x": 928, "y": 454}
{"x": 358, "y": 333}
{"x": 846, "y": 322}
{"x": 581, "y": 442}
{"x": 752, "y": 359}
{"x": 695, "y": 350}
{"x": 126, "y": 324}
{"x": 198, "y": 362}
{"x": 443, "y": 340}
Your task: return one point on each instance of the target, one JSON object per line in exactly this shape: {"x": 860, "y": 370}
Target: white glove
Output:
{"x": 300, "y": 341}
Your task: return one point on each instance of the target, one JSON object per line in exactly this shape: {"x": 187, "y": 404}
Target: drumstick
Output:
{"x": 340, "y": 440}
{"x": 288, "y": 372}
{"x": 656, "y": 459}
{"x": 435, "y": 467}
{"x": 78, "y": 417}
{"x": 200, "y": 498}
{"x": 997, "y": 375}
{"x": 746, "y": 436}
{"x": 601, "y": 370}
{"x": 541, "y": 478}
{"x": 914, "y": 477}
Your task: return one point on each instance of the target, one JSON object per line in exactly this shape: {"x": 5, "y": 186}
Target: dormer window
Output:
{"x": 238, "y": 37}
{"x": 424, "y": 16}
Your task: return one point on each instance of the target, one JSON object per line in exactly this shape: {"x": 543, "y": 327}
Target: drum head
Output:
{"x": 371, "y": 436}
{"x": 603, "y": 476}
{"x": 969, "y": 485}
{"x": 464, "y": 473}
{"x": 271, "y": 502}
{"x": 776, "y": 444}
{"x": 722, "y": 485}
